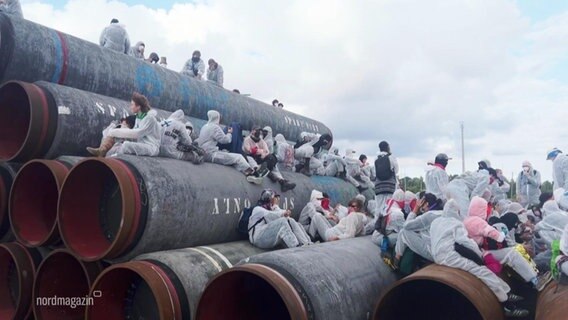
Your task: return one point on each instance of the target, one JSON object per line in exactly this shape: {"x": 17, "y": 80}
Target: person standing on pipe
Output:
{"x": 256, "y": 148}
{"x": 349, "y": 227}
{"x": 11, "y": 7}
{"x": 386, "y": 170}
{"x": 146, "y": 132}
{"x": 528, "y": 185}
{"x": 115, "y": 37}
{"x": 108, "y": 142}
{"x": 269, "y": 228}
{"x": 436, "y": 178}
{"x": 212, "y": 134}
{"x": 215, "y": 73}
{"x": 194, "y": 67}
{"x": 448, "y": 235}
{"x": 176, "y": 142}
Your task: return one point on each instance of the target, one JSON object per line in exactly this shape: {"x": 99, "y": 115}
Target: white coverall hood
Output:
{"x": 280, "y": 138}
{"x": 177, "y": 115}
{"x": 213, "y": 116}
{"x": 315, "y": 195}
{"x": 452, "y": 209}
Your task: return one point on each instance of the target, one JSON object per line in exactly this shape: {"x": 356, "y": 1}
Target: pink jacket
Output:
{"x": 478, "y": 229}
{"x": 261, "y": 147}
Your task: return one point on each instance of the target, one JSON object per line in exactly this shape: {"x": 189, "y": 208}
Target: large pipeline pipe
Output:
{"x": 439, "y": 292}
{"x": 337, "y": 280}
{"x": 163, "y": 285}
{"x": 8, "y": 172}
{"x": 18, "y": 266}
{"x": 33, "y": 200}
{"x": 121, "y": 207}
{"x": 46, "y": 120}
{"x": 552, "y": 302}
{"x": 77, "y": 63}
{"x": 61, "y": 287}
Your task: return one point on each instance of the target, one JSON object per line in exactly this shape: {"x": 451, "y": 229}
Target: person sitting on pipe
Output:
{"x": 452, "y": 247}
{"x": 284, "y": 153}
{"x": 355, "y": 173}
{"x": 415, "y": 233}
{"x": 176, "y": 142}
{"x": 269, "y": 228}
{"x": 115, "y": 37}
{"x": 211, "y": 135}
{"x": 257, "y": 152}
{"x": 318, "y": 205}
{"x": 309, "y": 153}
{"x": 11, "y": 7}
{"x": 194, "y": 67}
{"x": 108, "y": 142}
{"x": 389, "y": 223}
{"x": 138, "y": 50}
{"x": 334, "y": 163}
{"x": 351, "y": 226}
{"x": 146, "y": 133}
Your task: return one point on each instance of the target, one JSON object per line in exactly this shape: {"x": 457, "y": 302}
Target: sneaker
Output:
{"x": 262, "y": 172}
{"x": 511, "y": 297}
{"x": 255, "y": 180}
{"x": 515, "y": 313}
{"x": 543, "y": 280}
{"x": 286, "y": 185}
{"x": 93, "y": 151}
{"x": 361, "y": 189}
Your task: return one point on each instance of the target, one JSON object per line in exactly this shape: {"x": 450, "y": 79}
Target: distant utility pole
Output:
{"x": 463, "y": 148}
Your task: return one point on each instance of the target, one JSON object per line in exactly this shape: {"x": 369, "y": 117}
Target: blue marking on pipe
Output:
{"x": 148, "y": 83}
{"x": 58, "y": 57}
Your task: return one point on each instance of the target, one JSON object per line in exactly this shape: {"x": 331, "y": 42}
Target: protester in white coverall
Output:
{"x": 318, "y": 205}
{"x": 210, "y": 135}
{"x": 499, "y": 187}
{"x": 349, "y": 227}
{"x": 468, "y": 185}
{"x": 563, "y": 257}
{"x": 174, "y": 133}
{"x": 138, "y": 50}
{"x": 284, "y": 153}
{"x": 553, "y": 223}
{"x": 528, "y": 185}
{"x": 436, "y": 178}
{"x": 391, "y": 221}
{"x": 11, "y": 7}
{"x": 115, "y": 37}
{"x": 445, "y": 233}
{"x": 270, "y": 228}
{"x": 334, "y": 163}
{"x": 386, "y": 171}
{"x": 415, "y": 233}
{"x": 307, "y": 155}
{"x": 559, "y": 168}
{"x": 215, "y": 73}
{"x": 268, "y": 138}
{"x": 354, "y": 173}
{"x": 194, "y": 67}
{"x": 146, "y": 134}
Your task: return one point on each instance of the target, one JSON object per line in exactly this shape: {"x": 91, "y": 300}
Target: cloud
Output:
{"x": 403, "y": 71}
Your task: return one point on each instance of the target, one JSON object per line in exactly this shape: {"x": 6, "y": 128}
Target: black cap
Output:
{"x": 114, "y": 20}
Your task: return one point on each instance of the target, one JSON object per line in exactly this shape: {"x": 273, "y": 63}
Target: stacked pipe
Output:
{"x": 77, "y": 63}
{"x": 8, "y": 172}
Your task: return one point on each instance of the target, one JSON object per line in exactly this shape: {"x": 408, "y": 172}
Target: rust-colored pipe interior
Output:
{"x": 90, "y": 209}
{"x": 33, "y": 204}
{"x": 9, "y": 285}
{"x": 244, "y": 295}
{"x": 14, "y": 119}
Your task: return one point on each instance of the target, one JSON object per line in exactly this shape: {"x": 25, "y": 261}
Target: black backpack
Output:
{"x": 242, "y": 227}
{"x": 383, "y": 169}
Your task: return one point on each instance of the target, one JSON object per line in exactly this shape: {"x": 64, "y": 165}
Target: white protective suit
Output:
{"x": 564, "y": 249}
{"x": 354, "y": 174}
{"x": 284, "y": 153}
{"x": 312, "y": 208}
{"x": 528, "y": 187}
{"x": 210, "y": 135}
{"x": 553, "y": 223}
{"x": 334, "y": 163}
{"x": 12, "y": 7}
{"x": 269, "y": 139}
{"x": 349, "y": 227}
{"x": 466, "y": 186}
{"x": 135, "y": 51}
{"x": 436, "y": 180}
{"x": 560, "y": 171}
{"x": 306, "y": 151}
{"x": 115, "y": 37}
{"x": 216, "y": 76}
{"x": 174, "y": 132}
{"x": 416, "y": 234}
{"x": 448, "y": 230}
{"x": 275, "y": 230}
{"x": 395, "y": 220}
{"x": 146, "y": 133}
{"x": 193, "y": 69}
{"x": 499, "y": 192}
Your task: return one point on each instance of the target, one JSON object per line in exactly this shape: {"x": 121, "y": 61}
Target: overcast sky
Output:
{"x": 403, "y": 71}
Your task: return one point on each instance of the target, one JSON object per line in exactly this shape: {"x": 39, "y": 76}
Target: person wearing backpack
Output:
{"x": 386, "y": 169}
{"x": 269, "y": 228}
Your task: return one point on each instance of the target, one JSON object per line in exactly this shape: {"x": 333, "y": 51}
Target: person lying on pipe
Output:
{"x": 270, "y": 227}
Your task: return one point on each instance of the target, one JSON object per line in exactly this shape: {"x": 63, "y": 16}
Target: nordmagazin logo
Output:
{"x": 71, "y": 302}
